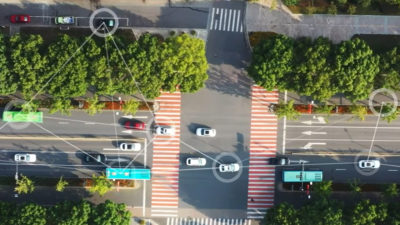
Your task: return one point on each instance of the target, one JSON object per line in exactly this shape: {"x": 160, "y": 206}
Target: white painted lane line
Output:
{"x": 212, "y": 18}
{"x": 216, "y": 20}
{"x": 220, "y": 19}
{"x": 241, "y": 27}
{"x": 238, "y": 21}
{"x": 233, "y": 20}
{"x": 63, "y": 122}
{"x": 341, "y": 169}
{"x": 226, "y": 12}
{"x": 229, "y": 19}
{"x": 393, "y": 170}
{"x": 331, "y": 140}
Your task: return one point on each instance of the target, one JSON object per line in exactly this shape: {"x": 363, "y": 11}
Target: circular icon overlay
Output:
{"x": 16, "y": 104}
{"x": 364, "y": 166}
{"x": 383, "y": 91}
{"x": 103, "y": 22}
{"x": 227, "y": 176}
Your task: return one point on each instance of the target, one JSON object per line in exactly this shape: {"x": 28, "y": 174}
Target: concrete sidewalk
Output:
{"x": 335, "y": 27}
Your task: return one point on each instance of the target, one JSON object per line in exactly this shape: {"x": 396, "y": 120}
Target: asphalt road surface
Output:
{"x": 224, "y": 104}
{"x": 342, "y": 134}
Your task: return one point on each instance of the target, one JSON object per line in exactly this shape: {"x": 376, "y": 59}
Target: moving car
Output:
{"x": 25, "y": 157}
{"x": 369, "y": 164}
{"x": 20, "y": 19}
{"x": 130, "y": 146}
{"x": 100, "y": 158}
{"x": 206, "y": 132}
{"x": 233, "y": 167}
{"x": 137, "y": 125}
{"x": 196, "y": 161}
{"x": 279, "y": 161}
{"x": 164, "y": 130}
{"x": 64, "y": 20}
{"x": 107, "y": 22}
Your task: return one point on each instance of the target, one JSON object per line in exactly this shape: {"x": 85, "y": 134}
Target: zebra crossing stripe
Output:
{"x": 212, "y": 18}
{"x": 229, "y": 19}
{"x": 233, "y": 20}
{"x": 220, "y": 18}
{"x": 238, "y": 21}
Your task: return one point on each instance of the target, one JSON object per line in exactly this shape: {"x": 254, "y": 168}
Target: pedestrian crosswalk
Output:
{"x": 263, "y": 140}
{"x": 165, "y": 168}
{"x": 207, "y": 221}
{"x": 230, "y": 20}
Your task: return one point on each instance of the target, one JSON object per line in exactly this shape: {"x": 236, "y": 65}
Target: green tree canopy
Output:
{"x": 389, "y": 74}
{"x": 355, "y": 69}
{"x": 366, "y": 213}
{"x": 287, "y": 110}
{"x": 28, "y": 63}
{"x": 67, "y": 69}
{"x": 100, "y": 185}
{"x": 24, "y": 185}
{"x": 282, "y": 214}
{"x": 184, "y": 63}
{"x": 70, "y": 213}
{"x": 272, "y": 60}
{"x": 312, "y": 75}
{"x": 8, "y": 80}
{"x": 110, "y": 213}
{"x": 30, "y": 214}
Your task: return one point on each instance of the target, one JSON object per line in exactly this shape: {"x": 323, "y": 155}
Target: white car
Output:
{"x": 130, "y": 146}
{"x": 25, "y": 157}
{"x": 233, "y": 167}
{"x": 370, "y": 164}
{"x": 165, "y": 130}
{"x": 64, "y": 20}
{"x": 206, "y": 132}
{"x": 196, "y": 161}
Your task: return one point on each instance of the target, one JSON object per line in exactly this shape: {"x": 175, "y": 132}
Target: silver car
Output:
{"x": 25, "y": 157}
{"x": 233, "y": 167}
{"x": 130, "y": 146}
{"x": 196, "y": 161}
{"x": 369, "y": 164}
{"x": 206, "y": 132}
{"x": 165, "y": 130}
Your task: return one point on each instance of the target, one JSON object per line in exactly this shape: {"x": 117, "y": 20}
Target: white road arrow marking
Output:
{"x": 311, "y": 132}
{"x": 310, "y": 144}
{"x": 127, "y": 131}
{"x": 320, "y": 119}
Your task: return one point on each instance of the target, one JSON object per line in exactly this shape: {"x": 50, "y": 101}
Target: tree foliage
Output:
{"x": 24, "y": 185}
{"x": 28, "y": 63}
{"x": 355, "y": 69}
{"x": 94, "y": 105}
{"x": 359, "y": 111}
{"x": 110, "y": 213}
{"x": 282, "y": 214}
{"x": 271, "y": 62}
{"x": 70, "y": 213}
{"x": 62, "y": 105}
{"x": 60, "y": 186}
{"x": 130, "y": 107}
{"x": 8, "y": 80}
{"x": 287, "y": 110}
{"x": 100, "y": 185}
{"x": 323, "y": 189}
{"x": 30, "y": 214}
{"x": 184, "y": 63}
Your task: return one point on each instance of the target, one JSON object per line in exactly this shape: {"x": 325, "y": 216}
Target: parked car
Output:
{"x": 107, "y": 22}
{"x": 130, "y": 146}
{"x": 165, "y": 130}
{"x": 279, "y": 161}
{"x": 21, "y": 157}
{"x": 196, "y": 161}
{"x": 137, "y": 125}
{"x": 94, "y": 157}
{"x": 206, "y": 132}
{"x": 369, "y": 164}
{"x": 233, "y": 167}
{"x": 64, "y": 20}
{"x": 20, "y": 18}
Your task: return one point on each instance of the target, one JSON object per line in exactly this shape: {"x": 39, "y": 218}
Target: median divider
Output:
{"x": 68, "y": 138}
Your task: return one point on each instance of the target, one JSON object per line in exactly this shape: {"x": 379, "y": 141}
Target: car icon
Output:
{"x": 233, "y": 167}
{"x": 64, "y": 20}
{"x": 130, "y": 146}
{"x": 25, "y": 157}
{"x": 206, "y": 132}
{"x": 369, "y": 164}
{"x": 165, "y": 130}
{"x": 196, "y": 161}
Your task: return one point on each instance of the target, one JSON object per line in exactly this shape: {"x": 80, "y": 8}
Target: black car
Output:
{"x": 107, "y": 22}
{"x": 279, "y": 161}
{"x": 100, "y": 158}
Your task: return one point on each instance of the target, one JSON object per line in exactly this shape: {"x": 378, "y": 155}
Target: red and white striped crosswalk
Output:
{"x": 165, "y": 169}
{"x": 263, "y": 144}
